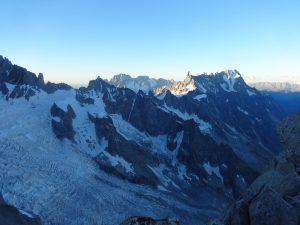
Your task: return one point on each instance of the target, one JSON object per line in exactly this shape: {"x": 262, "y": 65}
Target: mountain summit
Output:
{"x": 143, "y": 83}
{"x": 227, "y": 80}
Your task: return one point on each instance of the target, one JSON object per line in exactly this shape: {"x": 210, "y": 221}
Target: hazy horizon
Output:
{"x": 247, "y": 78}
{"x": 75, "y": 41}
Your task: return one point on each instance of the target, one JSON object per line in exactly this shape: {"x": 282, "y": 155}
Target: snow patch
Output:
{"x": 56, "y": 119}
{"x": 160, "y": 173}
{"x": 157, "y": 144}
{"x": 118, "y": 160}
{"x": 204, "y": 126}
{"x": 242, "y": 110}
{"x": 162, "y": 96}
{"x": 10, "y": 87}
{"x": 174, "y": 153}
{"x": 25, "y": 213}
{"x": 230, "y": 78}
{"x": 212, "y": 170}
{"x": 182, "y": 172}
{"x": 199, "y": 97}
{"x": 251, "y": 93}
{"x": 201, "y": 87}
{"x": 241, "y": 178}
{"x": 232, "y": 129}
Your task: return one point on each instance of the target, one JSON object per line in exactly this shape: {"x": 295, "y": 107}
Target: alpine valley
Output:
{"x": 131, "y": 146}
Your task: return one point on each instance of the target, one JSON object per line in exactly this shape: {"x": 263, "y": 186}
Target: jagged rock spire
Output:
{"x": 41, "y": 79}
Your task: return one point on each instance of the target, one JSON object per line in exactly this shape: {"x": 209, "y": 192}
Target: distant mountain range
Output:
{"x": 143, "y": 83}
{"x": 286, "y": 94}
{"x": 102, "y": 153}
{"x": 276, "y": 86}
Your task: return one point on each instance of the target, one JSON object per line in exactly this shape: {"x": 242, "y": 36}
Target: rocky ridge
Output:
{"x": 24, "y": 83}
{"x": 273, "y": 198}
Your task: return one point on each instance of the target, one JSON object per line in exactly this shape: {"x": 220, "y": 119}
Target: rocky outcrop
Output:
{"x": 10, "y": 215}
{"x": 274, "y": 197}
{"x": 5, "y": 68}
{"x": 63, "y": 124}
{"x": 82, "y": 96}
{"x": 122, "y": 157}
{"x": 19, "y": 76}
{"x": 25, "y": 82}
{"x": 148, "y": 221}
{"x": 289, "y": 131}
{"x": 52, "y": 87}
{"x": 3, "y": 88}
{"x": 22, "y": 91}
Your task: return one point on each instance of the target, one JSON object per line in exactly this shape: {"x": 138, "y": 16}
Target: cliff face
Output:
{"x": 274, "y": 197}
{"x": 289, "y": 132}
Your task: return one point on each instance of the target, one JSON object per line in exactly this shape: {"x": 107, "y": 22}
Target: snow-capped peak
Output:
{"x": 143, "y": 83}
{"x": 179, "y": 88}
{"x": 230, "y": 77}
{"x": 204, "y": 83}
{"x": 232, "y": 74}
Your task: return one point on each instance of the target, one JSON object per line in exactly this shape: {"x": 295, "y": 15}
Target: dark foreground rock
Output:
{"x": 274, "y": 197}
{"x": 148, "y": 221}
{"x": 9, "y": 215}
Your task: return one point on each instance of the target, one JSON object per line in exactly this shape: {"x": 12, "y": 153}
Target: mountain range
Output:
{"x": 276, "y": 86}
{"x": 131, "y": 146}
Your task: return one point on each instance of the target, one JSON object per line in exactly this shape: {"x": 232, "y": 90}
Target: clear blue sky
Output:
{"x": 75, "y": 41}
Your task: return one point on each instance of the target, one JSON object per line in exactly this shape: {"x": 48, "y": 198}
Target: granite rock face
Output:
{"x": 274, "y": 197}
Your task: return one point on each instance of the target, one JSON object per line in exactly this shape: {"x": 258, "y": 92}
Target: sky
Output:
{"x": 75, "y": 41}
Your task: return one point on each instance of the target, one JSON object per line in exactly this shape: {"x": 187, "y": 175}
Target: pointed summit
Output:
{"x": 41, "y": 79}
{"x": 232, "y": 74}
